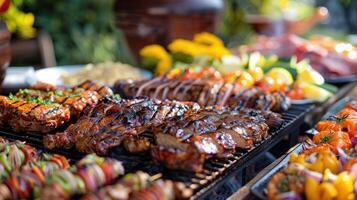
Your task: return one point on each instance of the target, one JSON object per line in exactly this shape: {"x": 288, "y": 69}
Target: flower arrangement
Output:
{"x": 155, "y": 56}
{"x": 17, "y": 21}
{"x": 205, "y": 48}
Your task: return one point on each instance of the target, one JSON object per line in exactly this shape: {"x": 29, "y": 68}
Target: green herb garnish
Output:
{"x": 283, "y": 185}
{"x": 73, "y": 95}
{"x": 13, "y": 97}
{"x": 325, "y": 139}
{"x": 116, "y": 97}
{"x": 79, "y": 90}
{"x": 42, "y": 101}
{"x": 24, "y": 91}
{"x": 59, "y": 93}
{"x": 337, "y": 119}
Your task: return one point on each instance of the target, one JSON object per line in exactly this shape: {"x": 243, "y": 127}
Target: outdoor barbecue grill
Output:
{"x": 217, "y": 173}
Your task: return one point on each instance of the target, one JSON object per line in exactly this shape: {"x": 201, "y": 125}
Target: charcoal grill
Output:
{"x": 216, "y": 173}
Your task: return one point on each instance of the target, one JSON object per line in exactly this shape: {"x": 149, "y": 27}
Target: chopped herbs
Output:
{"x": 79, "y": 90}
{"x": 116, "y": 97}
{"x": 73, "y": 95}
{"x": 325, "y": 139}
{"x": 58, "y": 93}
{"x": 337, "y": 119}
{"x": 283, "y": 186}
{"x": 24, "y": 91}
{"x": 42, "y": 101}
{"x": 13, "y": 97}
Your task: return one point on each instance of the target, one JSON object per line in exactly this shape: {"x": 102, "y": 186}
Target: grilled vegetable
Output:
{"x": 335, "y": 139}
{"x": 14, "y": 156}
{"x": 86, "y": 176}
{"x": 20, "y": 184}
{"x": 135, "y": 186}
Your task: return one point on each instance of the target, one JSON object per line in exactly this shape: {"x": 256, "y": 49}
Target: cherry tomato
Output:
{"x": 296, "y": 93}
{"x": 266, "y": 84}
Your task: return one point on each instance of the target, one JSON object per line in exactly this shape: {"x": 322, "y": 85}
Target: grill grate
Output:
{"x": 215, "y": 172}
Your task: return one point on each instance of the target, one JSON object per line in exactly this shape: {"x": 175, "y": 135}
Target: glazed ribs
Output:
{"x": 185, "y": 135}
{"x": 205, "y": 92}
{"x": 43, "y": 108}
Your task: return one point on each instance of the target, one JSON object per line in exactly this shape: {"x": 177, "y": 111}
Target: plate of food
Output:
{"x": 106, "y": 73}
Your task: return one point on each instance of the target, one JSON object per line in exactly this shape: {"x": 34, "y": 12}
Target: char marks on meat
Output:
{"x": 43, "y": 107}
{"x": 184, "y": 134}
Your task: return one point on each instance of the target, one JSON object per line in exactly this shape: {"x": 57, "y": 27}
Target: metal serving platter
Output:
{"x": 215, "y": 173}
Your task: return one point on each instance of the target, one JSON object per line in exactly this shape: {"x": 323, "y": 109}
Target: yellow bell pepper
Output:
{"x": 331, "y": 163}
{"x": 300, "y": 159}
{"x": 344, "y": 186}
{"x": 311, "y": 189}
{"x": 327, "y": 175}
{"x": 327, "y": 191}
{"x": 325, "y": 160}
{"x": 318, "y": 165}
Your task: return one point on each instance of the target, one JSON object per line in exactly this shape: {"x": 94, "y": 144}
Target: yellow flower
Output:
{"x": 186, "y": 47}
{"x": 163, "y": 66}
{"x": 217, "y": 52}
{"x": 154, "y": 51}
{"x": 207, "y": 39}
{"x": 159, "y": 53}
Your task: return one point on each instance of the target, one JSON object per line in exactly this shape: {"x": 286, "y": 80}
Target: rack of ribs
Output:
{"x": 205, "y": 92}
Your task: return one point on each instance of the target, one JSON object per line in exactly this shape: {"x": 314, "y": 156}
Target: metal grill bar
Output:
{"x": 215, "y": 172}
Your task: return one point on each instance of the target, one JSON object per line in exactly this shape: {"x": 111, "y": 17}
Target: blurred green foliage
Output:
{"x": 83, "y": 31}
{"x": 234, "y": 27}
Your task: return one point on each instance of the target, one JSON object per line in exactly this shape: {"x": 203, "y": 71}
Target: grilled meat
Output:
{"x": 45, "y": 87}
{"x": 183, "y": 132}
{"x": 205, "y": 92}
{"x": 135, "y": 144}
{"x": 188, "y": 160}
{"x": 43, "y": 107}
{"x": 205, "y": 134}
{"x": 24, "y": 116}
{"x": 76, "y": 98}
{"x": 102, "y": 90}
{"x": 108, "y": 123}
